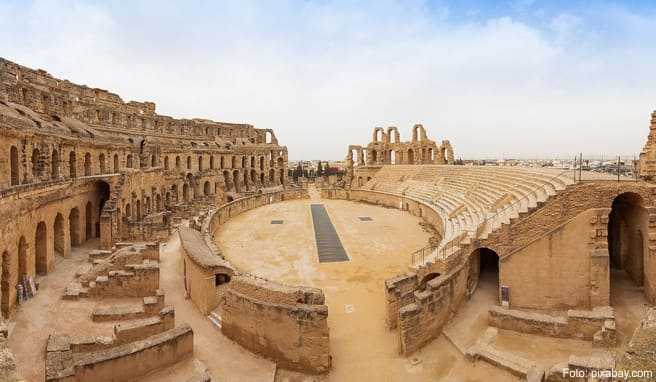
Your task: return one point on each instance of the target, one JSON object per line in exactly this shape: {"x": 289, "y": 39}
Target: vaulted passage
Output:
{"x": 628, "y": 222}
{"x": 329, "y": 246}
{"x": 41, "y": 249}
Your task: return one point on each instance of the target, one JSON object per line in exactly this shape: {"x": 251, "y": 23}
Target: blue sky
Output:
{"x": 528, "y": 78}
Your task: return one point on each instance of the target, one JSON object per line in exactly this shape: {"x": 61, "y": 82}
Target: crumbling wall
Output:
{"x": 286, "y": 324}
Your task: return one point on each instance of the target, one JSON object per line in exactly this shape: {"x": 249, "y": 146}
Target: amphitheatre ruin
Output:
{"x": 140, "y": 247}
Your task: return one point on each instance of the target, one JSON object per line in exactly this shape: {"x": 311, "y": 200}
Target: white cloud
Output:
{"x": 322, "y": 74}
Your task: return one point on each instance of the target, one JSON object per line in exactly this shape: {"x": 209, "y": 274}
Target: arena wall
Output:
{"x": 286, "y": 324}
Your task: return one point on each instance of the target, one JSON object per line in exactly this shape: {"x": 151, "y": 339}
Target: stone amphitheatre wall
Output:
{"x": 78, "y": 163}
{"x": 566, "y": 235}
{"x": 287, "y": 324}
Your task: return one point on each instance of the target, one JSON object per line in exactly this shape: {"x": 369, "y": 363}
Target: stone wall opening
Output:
{"x": 116, "y": 165}
{"x": 5, "y": 284}
{"x": 41, "y": 249}
{"x": 483, "y": 272}
{"x": 628, "y": 223}
{"x": 59, "y": 238}
{"x": 74, "y": 226}
{"x": 13, "y": 158}
{"x": 54, "y": 165}
{"x": 72, "y": 171}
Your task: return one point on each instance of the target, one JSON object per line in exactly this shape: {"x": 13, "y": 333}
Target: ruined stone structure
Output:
{"x": 78, "y": 166}
{"x": 78, "y": 163}
{"x": 386, "y": 148}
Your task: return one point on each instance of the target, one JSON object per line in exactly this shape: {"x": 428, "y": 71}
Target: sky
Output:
{"x": 508, "y": 78}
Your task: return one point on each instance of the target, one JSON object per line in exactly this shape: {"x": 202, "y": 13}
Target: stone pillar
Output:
{"x": 105, "y": 231}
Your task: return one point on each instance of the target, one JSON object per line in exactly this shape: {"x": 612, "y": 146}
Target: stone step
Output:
{"x": 118, "y": 313}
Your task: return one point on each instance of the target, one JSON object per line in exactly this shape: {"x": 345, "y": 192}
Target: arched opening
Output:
{"x": 272, "y": 176}
{"x": 101, "y": 162}
{"x": 88, "y": 220}
{"x": 58, "y": 230}
{"x": 427, "y": 278}
{"x": 166, "y": 163}
{"x": 54, "y": 165}
{"x": 628, "y": 222}
{"x": 153, "y": 161}
{"x": 128, "y": 161}
{"x": 5, "y": 284}
{"x": 174, "y": 190}
{"x": 222, "y": 163}
{"x": 167, "y": 200}
{"x": 74, "y": 226}
{"x": 87, "y": 164}
{"x": 246, "y": 180}
{"x": 177, "y": 163}
{"x": 268, "y": 137}
{"x": 261, "y": 163}
{"x": 484, "y": 273}
{"x": 188, "y": 163}
{"x": 207, "y": 188}
{"x": 374, "y": 156}
{"x": 229, "y": 198}
{"x": 253, "y": 176}
{"x": 158, "y": 203}
{"x": 221, "y": 278}
{"x": 243, "y": 162}
{"x": 282, "y": 176}
{"x": 392, "y": 157}
{"x": 102, "y": 193}
{"x": 211, "y": 162}
{"x": 233, "y": 162}
{"x": 411, "y": 157}
{"x": 41, "y": 249}
{"x": 128, "y": 211}
{"x": 185, "y": 192}
{"x": 36, "y": 164}
{"x": 200, "y": 163}
{"x": 138, "y": 210}
{"x": 72, "y": 171}
{"x": 13, "y": 158}
{"x": 22, "y": 257}
{"x": 261, "y": 178}
{"x": 116, "y": 165}
{"x": 235, "y": 181}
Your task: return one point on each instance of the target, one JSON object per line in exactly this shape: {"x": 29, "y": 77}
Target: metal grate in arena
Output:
{"x": 329, "y": 246}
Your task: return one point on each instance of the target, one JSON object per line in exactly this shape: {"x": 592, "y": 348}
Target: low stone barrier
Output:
{"x": 116, "y": 363}
{"x": 286, "y": 324}
{"x": 597, "y": 325}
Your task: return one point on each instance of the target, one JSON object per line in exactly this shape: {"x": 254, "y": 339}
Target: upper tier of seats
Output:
{"x": 472, "y": 200}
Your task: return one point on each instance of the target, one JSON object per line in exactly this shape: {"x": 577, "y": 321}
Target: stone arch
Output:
{"x": 153, "y": 160}
{"x": 185, "y": 192}
{"x": 483, "y": 270}
{"x": 379, "y": 135}
{"x": 74, "y": 227}
{"x": 59, "y": 235}
{"x": 188, "y": 163}
{"x": 207, "y": 188}
{"x": 427, "y": 278}
{"x": 101, "y": 162}
{"x": 272, "y": 175}
{"x": 167, "y": 200}
{"x": 88, "y": 221}
{"x": 177, "y": 162}
{"x": 200, "y": 163}
{"x": 158, "y": 202}
{"x": 87, "y": 164}
{"x": 393, "y": 135}
{"x": 128, "y": 211}
{"x": 233, "y": 162}
{"x": 36, "y": 163}
{"x": 14, "y": 166}
{"x": 282, "y": 176}
{"x": 411, "y": 156}
{"x": 222, "y": 162}
{"x": 22, "y": 257}
{"x": 211, "y": 162}
{"x": 41, "y": 248}
{"x": 253, "y": 176}
{"x": 268, "y": 137}
{"x": 628, "y": 227}
{"x": 128, "y": 161}
{"x": 174, "y": 191}
{"x": 226, "y": 179}
{"x": 392, "y": 157}
{"x": 281, "y": 162}
{"x": 243, "y": 162}
{"x": 54, "y": 165}
{"x": 72, "y": 170}
{"x": 418, "y": 133}
{"x": 116, "y": 164}
{"x": 166, "y": 163}
{"x": 138, "y": 209}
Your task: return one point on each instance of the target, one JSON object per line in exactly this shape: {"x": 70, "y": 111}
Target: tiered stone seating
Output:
{"x": 472, "y": 200}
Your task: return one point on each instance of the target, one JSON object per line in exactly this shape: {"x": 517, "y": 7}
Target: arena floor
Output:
{"x": 361, "y": 346}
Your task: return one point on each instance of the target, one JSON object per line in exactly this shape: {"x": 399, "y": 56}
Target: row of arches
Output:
{"x": 222, "y": 162}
